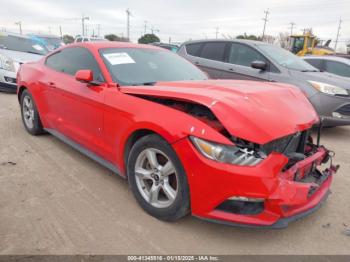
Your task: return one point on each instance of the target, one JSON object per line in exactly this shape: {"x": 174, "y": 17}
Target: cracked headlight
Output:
{"x": 227, "y": 154}
{"x": 329, "y": 89}
{"x": 6, "y": 63}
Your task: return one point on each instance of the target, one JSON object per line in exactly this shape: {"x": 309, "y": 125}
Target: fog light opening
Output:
{"x": 242, "y": 205}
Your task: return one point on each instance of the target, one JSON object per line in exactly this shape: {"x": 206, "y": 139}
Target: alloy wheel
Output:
{"x": 156, "y": 178}
{"x": 28, "y": 111}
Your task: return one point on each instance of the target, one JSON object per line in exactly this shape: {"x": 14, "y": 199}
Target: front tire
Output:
{"x": 157, "y": 179}
{"x": 30, "y": 114}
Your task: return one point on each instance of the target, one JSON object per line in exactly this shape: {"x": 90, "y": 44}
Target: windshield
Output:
{"x": 141, "y": 66}
{"x": 22, "y": 44}
{"x": 286, "y": 59}
{"x": 52, "y": 42}
{"x": 297, "y": 44}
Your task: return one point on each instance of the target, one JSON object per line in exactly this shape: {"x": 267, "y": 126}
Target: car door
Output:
{"x": 208, "y": 56}
{"x": 238, "y": 66}
{"x": 78, "y": 107}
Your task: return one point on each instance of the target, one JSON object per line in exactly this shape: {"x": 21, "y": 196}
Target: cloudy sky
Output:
{"x": 178, "y": 19}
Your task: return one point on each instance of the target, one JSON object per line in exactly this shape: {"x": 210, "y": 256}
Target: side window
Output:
{"x": 315, "y": 62}
{"x": 56, "y": 61}
{"x": 338, "y": 68}
{"x": 213, "y": 51}
{"x": 86, "y": 40}
{"x": 79, "y": 40}
{"x": 71, "y": 60}
{"x": 244, "y": 55}
{"x": 193, "y": 49}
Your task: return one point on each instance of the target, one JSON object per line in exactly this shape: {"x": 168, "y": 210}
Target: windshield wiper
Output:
{"x": 31, "y": 52}
{"x": 145, "y": 84}
{"x": 309, "y": 71}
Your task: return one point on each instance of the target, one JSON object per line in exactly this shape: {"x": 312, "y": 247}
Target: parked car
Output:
{"x": 51, "y": 42}
{"x": 254, "y": 60}
{"x": 79, "y": 39}
{"x": 14, "y": 51}
{"x": 223, "y": 150}
{"x": 171, "y": 47}
{"x": 336, "y": 65}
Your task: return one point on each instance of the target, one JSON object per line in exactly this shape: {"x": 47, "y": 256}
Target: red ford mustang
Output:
{"x": 235, "y": 152}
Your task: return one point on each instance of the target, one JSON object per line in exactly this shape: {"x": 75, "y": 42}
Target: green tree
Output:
{"x": 68, "y": 39}
{"x": 249, "y": 37}
{"x": 148, "y": 38}
{"x": 113, "y": 37}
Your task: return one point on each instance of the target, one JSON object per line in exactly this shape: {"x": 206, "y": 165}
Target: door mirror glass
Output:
{"x": 259, "y": 65}
{"x": 84, "y": 76}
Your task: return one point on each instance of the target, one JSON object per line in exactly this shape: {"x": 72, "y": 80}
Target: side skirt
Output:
{"x": 85, "y": 151}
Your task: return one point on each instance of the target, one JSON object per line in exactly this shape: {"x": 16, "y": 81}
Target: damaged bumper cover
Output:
{"x": 272, "y": 196}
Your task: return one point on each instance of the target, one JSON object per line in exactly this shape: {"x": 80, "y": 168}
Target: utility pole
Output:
{"x": 292, "y": 24}
{"x": 265, "y": 21}
{"x": 128, "y": 14}
{"x": 19, "y": 23}
{"x": 61, "y": 32}
{"x": 338, "y": 33}
{"x": 98, "y": 29}
{"x": 216, "y": 32}
{"x": 83, "y": 18}
{"x": 145, "y": 28}
{"x": 50, "y": 30}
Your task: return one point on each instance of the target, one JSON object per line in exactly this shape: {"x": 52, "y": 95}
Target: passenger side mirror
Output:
{"x": 259, "y": 65}
{"x": 84, "y": 76}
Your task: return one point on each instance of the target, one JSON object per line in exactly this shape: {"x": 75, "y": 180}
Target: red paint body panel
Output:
{"x": 102, "y": 119}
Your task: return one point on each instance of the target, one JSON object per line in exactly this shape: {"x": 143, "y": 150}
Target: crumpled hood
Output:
{"x": 256, "y": 111}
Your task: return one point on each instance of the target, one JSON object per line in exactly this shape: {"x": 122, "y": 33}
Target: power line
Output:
{"x": 265, "y": 21}
{"x": 338, "y": 33}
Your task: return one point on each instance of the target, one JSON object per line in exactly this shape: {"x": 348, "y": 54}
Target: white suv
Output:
{"x": 15, "y": 50}
{"x": 79, "y": 39}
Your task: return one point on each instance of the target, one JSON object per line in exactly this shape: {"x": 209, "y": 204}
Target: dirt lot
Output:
{"x": 53, "y": 200}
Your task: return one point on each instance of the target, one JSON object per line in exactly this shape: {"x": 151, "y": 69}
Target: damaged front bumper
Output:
{"x": 264, "y": 195}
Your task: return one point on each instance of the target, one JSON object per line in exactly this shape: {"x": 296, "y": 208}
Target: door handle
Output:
{"x": 231, "y": 69}
{"x": 196, "y": 63}
{"x": 51, "y": 84}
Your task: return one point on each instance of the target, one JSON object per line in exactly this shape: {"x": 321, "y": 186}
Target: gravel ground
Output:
{"x": 53, "y": 200}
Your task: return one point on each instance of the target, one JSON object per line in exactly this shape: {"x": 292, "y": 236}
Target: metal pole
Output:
{"x": 98, "y": 30}
{"x": 145, "y": 27}
{"x": 292, "y": 24}
{"x": 128, "y": 24}
{"x": 338, "y": 33}
{"x": 19, "y": 23}
{"x": 216, "y": 32}
{"x": 265, "y": 21}
{"x": 82, "y": 26}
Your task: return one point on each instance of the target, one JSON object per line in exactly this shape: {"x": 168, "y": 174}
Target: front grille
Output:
{"x": 344, "y": 110}
{"x": 288, "y": 144}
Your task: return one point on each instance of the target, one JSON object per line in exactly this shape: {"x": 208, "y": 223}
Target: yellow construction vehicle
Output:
{"x": 306, "y": 44}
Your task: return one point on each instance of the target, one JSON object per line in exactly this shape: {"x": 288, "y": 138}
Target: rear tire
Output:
{"x": 30, "y": 114}
{"x": 158, "y": 179}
